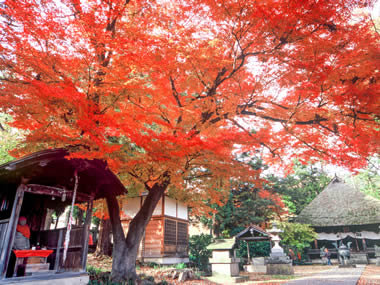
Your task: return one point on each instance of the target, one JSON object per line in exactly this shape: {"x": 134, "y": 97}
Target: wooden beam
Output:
{"x": 11, "y": 231}
{"x": 86, "y": 232}
{"x": 255, "y": 238}
{"x": 54, "y": 191}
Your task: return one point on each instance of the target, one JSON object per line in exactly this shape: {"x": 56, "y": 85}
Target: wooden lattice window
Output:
{"x": 182, "y": 233}
{"x": 170, "y": 234}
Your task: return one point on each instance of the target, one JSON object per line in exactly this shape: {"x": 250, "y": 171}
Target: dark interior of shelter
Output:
{"x": 37, "y": 189}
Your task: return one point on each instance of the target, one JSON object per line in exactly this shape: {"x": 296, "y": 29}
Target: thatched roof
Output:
{"x": 340, "y": 205}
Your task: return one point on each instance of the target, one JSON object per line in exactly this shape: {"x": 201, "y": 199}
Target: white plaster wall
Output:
{"x": 182, "y": 211}
{"x": 170, "y": 207}
{"x": 158, "y": 209}
{"x": 131, "y": 206}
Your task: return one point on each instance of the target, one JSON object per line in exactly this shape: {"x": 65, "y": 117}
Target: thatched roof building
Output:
{"x": 341, "y": 205}
{"x": 341, "y": 213}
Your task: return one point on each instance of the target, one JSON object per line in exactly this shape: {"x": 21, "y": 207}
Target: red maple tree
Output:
{"x": 168, "y": 92}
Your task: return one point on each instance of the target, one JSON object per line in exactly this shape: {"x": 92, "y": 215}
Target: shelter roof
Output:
{"x": 52, "y": 168}
{"x": 222, "y": 244}
{"x": 340, "y": 205}
{"x": 253, "y": 232}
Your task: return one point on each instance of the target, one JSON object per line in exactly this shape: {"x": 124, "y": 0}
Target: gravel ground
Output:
{"x": 370, "y": 276}
{"x": 315, "y": 275}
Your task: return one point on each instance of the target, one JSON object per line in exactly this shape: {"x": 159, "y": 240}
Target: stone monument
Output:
{"x": 278, "y": 262}
{"x": 257, "y": 265}
{"x": 224, "y": 263}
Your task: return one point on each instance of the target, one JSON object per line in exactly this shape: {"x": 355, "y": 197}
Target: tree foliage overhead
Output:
{"x": 152, "y": 86}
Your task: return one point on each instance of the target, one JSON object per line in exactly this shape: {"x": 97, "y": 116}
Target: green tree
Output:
{"x": 246, "y": 205}
{"x": 297, "y": 235}
{"x": 198, "y": 252}
{"x": 299, "y": 188}
{"x": 9, "y": 138}
{"x": 368, "y": 179}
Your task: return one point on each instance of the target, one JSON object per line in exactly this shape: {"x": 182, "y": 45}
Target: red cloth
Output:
{"x": 24, "y": 230}
{"x": 30, "y": 253}
{"x": 90, "y": 240}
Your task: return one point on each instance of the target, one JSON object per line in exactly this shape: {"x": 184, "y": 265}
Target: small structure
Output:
{"x": 35, "y": 185}
{"x": 343, "y": 213}
{"x": 166, "y": 236}
{"x": 254, "y": 233}
{"x": 278, "y": 262}
{"x": 224, "y": 263}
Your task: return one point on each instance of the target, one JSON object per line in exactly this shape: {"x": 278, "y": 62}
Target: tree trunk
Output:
{"x": 125, "y": 249}
{"x": 103, "y": 246}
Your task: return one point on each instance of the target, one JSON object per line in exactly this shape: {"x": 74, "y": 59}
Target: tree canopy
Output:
{"x": 157, "y": 86}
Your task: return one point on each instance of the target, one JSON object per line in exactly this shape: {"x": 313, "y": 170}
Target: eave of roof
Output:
{"x": 52, "y": 168}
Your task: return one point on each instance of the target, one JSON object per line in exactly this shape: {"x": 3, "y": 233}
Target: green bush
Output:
{"x": 297, "y": 236}
{"x": 198, "y": 253}
{"x": 98, "y": 277}
{"x": 180, "y": 266}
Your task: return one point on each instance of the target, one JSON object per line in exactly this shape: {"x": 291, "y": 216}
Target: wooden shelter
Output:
{"x": 252, "y": 233}
{"x": 166, "y": 236}
{"x": 343, "y": 213}
{"x": 43, "y": 181}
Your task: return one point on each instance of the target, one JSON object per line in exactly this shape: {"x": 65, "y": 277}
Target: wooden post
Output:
{"x": 364, "y": 245}
{"x": 249, "y": 257}
{"x": 11, "y": 231}
{"x": 86, "y": 232}
{"x": 316, "y": 243}
{"x": 58, "y": 250}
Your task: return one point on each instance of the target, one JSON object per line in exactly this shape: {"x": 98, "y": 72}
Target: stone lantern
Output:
{"x": 278, "y": 262}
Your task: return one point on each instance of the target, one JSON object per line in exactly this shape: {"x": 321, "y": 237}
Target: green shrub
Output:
{"x": 198, "y": 253}
{"x": 180, "y": 266}
{"x": 297, "y": 236}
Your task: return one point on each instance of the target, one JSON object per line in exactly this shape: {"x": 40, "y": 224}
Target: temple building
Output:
{"x": 166, "y": 238}
{"x": 343, "y": 213}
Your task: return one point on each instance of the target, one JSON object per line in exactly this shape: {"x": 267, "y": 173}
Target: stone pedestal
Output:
{"x": 224, "y": 265}
{"x": 278, "y": 262}
{"x": 359, "y": 258}
{"x": 280, "y": 269}
{"x": 377, "y": 255}
{"x": 257, "y": 265}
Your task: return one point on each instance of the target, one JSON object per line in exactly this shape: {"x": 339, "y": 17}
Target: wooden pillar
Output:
{"x": 11, "y": 231}
{"x": 58, "y": 250}
{"x": 249, "y": 257}
{"x": 86, "y": 232}
{"x": 316, "y": 243}
{"x": 357, "y": 245}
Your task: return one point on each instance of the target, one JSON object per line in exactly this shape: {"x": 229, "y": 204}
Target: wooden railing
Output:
{"x": 54, "y": 239}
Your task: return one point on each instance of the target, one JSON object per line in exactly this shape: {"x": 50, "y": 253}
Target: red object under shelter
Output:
{"x": 30, "y": 253}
